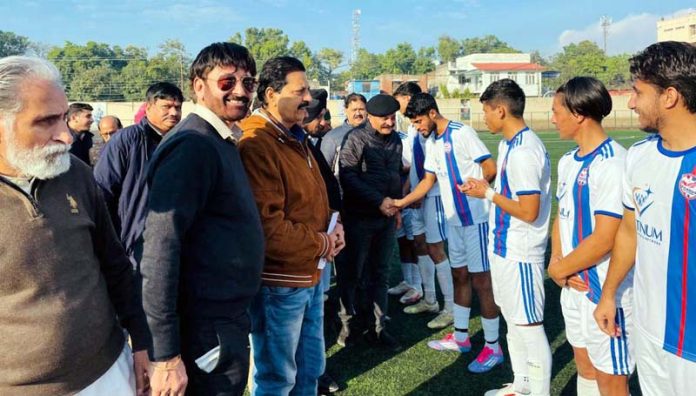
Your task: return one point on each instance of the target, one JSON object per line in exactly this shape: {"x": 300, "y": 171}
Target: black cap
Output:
{"x": 317, "y": 105}
{"x": 382, "y": 105}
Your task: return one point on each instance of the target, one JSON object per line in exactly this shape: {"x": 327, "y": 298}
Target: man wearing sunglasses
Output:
{"x": 203, "y": 248}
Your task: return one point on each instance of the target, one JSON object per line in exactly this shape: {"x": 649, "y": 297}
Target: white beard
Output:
{"x": 42, "y": 163}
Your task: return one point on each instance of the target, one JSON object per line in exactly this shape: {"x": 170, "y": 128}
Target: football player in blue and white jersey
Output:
{"x": 658, "y": 231}
{"x": 519, "y": 229}
{"x": 589, "y": 212}
{"x": 452, "y": 155}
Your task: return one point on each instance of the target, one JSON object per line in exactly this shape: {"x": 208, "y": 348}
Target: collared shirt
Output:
{"x": 225, "y": 132}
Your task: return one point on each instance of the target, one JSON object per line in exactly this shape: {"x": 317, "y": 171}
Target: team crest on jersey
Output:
{"x": 582, "y": 177}
{"x": 687, "y": 186}
{"x": 447, "y": 147}
{"x": 643, "y": 198}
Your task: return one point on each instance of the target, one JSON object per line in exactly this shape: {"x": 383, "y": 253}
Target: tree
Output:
{"x": 538, "y": 59}
{"x": 587, "y": 59}
{"x": 265, "y": 43}
{"x": 424, "y": 60}
{"x": 12, "y": 44}
{"x": 399, "y": 60}
{"x": 448, "y": 48}
{"x": 366, "y": 65}
{"x": 485, "y": 45}
{"x": 331, "y": 59}
{"x": 315, "y": 70}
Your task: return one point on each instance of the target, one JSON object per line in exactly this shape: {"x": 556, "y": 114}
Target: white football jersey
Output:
{"x": 523, "y": 169}
{"x": 660, "y": 187}
{"x": 453, "y": 157}
{"x": 588, "y": 186}
{"x": 417, "y": 172}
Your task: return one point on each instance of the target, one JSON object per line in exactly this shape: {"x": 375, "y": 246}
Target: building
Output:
{"x": 475, "y": 72}
{"x": 680, "y": 28}
{"x": 367, "y": 88}
{"x": 389, "y": 82}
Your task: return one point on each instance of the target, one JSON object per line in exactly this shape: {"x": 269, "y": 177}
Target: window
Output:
{"x": 366, "y": 86}
{"x": 512, "y": 76}
{"x": 692, "y": 30}
{"x": 495, "y": 77}
{"x": 463, "y": 80}
{"x": 530, "y": 79}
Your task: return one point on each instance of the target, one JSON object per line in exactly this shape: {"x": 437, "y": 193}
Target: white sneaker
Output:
{"x": 399, "y": 289}
{"x": 411, "y": 297}
{"x": 422, "y": 306}
{"x": 444, "y": 319}
{"x": 506, "y": 390}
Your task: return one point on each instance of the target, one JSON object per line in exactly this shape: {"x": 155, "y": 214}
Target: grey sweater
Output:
{"x": 64, "y": 280}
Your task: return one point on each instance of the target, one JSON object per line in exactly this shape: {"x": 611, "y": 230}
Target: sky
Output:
{"x": 525, "y": 24}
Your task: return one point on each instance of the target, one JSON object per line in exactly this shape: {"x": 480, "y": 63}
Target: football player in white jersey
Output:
{"x": 452, "y": 155}
{"x": 589, "y": 212}
{"x": 519, "y": 230}
{"x": 658, "y": 229}
{"x": 428, "y": 226}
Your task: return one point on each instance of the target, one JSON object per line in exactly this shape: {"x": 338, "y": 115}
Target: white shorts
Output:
{"x": 662, "y": 372}
{"x": 430, "y": 220}
{"x": 406, "y": 229}
{"x": 468, "y": 246}
{"x": 118, "y": 380}
{"x": 518, "y": 289}
{"x": 611, "y": 355}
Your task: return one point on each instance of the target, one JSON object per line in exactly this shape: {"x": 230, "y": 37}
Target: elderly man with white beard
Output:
{"x": 65, "y": 281}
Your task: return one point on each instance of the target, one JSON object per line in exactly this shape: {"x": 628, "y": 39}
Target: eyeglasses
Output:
{"x": 228, "y": 83}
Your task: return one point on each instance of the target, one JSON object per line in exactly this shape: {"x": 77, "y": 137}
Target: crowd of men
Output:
{"x": 197, "y": 248}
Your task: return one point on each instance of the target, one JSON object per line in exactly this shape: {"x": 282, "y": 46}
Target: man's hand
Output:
{"x": 140, "y": 366}
{"x": 605, "y": 316}
{"x": 554, "y": 262}
{"x": 387, "y": 207}
{"x": 168, "y": 378}
{"x": 474, "y": 188}
{"x": 337, "y": 237}
{"x": 576, "y": 282}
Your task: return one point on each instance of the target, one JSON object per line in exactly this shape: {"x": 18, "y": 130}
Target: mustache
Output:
{"x": 242, "y": 99}
{"x": 303, "y": 105}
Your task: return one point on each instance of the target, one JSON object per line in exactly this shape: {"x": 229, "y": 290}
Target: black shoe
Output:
{"x": 327, "y": 385}
{"x": 383, "y": 339}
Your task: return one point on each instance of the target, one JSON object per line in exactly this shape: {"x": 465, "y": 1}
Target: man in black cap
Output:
{"x": 370, "y": 175}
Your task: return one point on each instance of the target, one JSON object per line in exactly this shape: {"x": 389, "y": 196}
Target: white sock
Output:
{"x": 416, "y": 281}
{"x": 518, "y": 358}
{"x": 538, "y": 358}
{"x": 461, "y": 322}
{"x": 406, "y": 271}
{"x": 587, "y": 387}
{"x": 444, "y": 279}
{"x": 427, "y": 272}
{"x": 490, "y": 332}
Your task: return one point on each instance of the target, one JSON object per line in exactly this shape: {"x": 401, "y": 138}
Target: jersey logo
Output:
{"x": 687, "y": 186}
{"x": 643, "y": 199}
{"x": 447, "y": 147}
{"x": 582, "y": 177}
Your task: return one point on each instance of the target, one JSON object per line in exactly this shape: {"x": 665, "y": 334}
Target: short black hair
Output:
{"x": 508, "y": 92}
{"x": 420, "y": 104}
{"x": 274, "y": 74}
{"x": 163, "y": 90}
{"x": 586, "y": 96}
{"x": 77, "y": 108}
{"x": 221, "y": 54}
{"x": 668, "y": 64}
{"x": 409, "y": 88}
{"x": 352, "y": 98}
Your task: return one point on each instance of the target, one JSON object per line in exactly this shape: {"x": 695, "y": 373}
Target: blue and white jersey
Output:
{"x": 588, "y": 186}
{"x": 407, "y": 145}
{"x": 523, "y": 169}
{"x": 417, "y": 172}
{"x": 453, "y": 157}
{"x": 660, "y": 187}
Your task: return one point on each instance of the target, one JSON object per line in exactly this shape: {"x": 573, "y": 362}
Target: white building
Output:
{"x": 680, "y": 28}
{"x": 476, "y": 71}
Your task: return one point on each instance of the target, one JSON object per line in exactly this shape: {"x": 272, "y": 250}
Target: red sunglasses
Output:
{"x": 228, "y": 83}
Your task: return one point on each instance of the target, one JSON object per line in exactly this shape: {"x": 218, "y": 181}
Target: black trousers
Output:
{"x": 363, "y": 268}
{"x": 229, "y": 378}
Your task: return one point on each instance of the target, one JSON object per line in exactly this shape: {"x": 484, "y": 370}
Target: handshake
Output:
{"x": 389, "y": 207}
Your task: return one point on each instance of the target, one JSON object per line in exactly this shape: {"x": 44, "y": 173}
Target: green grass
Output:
{"x": 418, "y": 370}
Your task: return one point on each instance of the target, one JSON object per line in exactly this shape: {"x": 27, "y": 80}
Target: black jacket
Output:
{"x": 204, "y": 245}
{"x": 120, "y": 173}
{"x": 332, "y": 189}
{"x": 82, "y": 143}
{"x": 370, "y": 170}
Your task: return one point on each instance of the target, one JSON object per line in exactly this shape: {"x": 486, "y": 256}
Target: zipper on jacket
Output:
{"x": 35, "y": 212}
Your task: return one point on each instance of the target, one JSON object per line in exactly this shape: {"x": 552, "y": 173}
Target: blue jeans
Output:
{"x": 325, "y": 280}
{"x": 287, "y": 333}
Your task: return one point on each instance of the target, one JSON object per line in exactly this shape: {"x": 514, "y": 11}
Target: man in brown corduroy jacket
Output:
{"x": 287, "y": 314}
